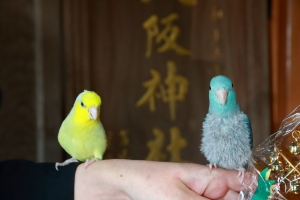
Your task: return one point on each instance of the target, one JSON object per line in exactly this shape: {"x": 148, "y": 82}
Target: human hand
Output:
{"x": 146, "y": 180}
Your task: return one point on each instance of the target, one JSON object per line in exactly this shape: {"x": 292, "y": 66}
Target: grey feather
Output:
{"x": 226, "y": 140}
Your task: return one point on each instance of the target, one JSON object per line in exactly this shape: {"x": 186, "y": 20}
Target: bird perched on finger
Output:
{"x": 81, "y": 134}
{"x": 227, "y": 134}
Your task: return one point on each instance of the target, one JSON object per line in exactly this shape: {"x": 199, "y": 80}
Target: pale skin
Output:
{"x": 144, "y": 180}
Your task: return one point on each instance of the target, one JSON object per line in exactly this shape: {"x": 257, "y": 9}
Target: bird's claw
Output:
{"x": 66, "y": 162}
{"x": 211, "y": 166}
{"x": 56, "y": 165}
{"x": 89, "y": 162}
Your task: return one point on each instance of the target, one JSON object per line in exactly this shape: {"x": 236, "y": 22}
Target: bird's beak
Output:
{"x": 94, "y": 112}
{"x": 222, "y": 96}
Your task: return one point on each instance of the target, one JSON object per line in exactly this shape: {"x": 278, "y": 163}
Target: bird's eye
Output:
{"x": 232, "y": 85}
{"x": 82, "y": 104}
{"x": 209, "y": 88}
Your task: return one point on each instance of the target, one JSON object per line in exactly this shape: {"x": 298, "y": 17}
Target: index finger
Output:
{"x": 214, "y": 184}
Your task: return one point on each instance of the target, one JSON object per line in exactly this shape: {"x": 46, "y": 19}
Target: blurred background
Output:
{"x": 151, "y": 62}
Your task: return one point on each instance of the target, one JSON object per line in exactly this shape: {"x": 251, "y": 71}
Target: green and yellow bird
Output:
{"x": 81, "y": 134}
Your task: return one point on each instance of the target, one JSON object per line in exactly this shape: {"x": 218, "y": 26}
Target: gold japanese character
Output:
{"x": 123, "y": 154}
{"x": 216, "y": 35}
{"x": 217, "y": 68}
{"x": 189, "y": 2}
{"x": 177, "y": 87}
{"x": 216, "y": 14}
{"x": 151, "y": 86}
{"x": 155, "y": 146}
{"x": 184, "y": 2}
{"x": 124, "y": 144}
{"x": 152, "y": 30}
{"x": 124, "y": 137}
{"x": 109, "y": 150}
{"x": 168, "y": 36}
{"x": 216, "y": 52}
{"x": 112, "y": 139}
{"x": 176, "y": 144}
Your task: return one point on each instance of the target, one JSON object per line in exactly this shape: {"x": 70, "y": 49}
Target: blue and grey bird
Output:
{"x": 227, "y": 135}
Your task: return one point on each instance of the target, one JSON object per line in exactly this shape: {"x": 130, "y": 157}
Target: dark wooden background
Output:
{"x": 53, "y": 50}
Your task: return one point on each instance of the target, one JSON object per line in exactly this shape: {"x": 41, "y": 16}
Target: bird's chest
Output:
{"x": 226, "y": 140}
{"x": 225, "y": 129}
{"x": 81, "y": 141}
{"x": 84, "y": 137}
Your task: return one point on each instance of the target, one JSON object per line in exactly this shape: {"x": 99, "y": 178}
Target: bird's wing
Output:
{"x": 101, "y": 141}
{"x": 247, "y": 121}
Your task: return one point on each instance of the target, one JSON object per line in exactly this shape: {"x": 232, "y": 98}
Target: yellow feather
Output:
{"x": 81, "y": 135}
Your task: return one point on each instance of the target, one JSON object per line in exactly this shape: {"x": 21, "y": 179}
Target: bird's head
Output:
{"x": 87, "y": 107}
{"x": 222, "y": 97}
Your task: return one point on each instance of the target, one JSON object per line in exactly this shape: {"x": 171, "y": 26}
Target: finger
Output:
{"x": 231, "y": 195}
{"x": 233, "y": 181}
{"x": 220, "y": 182}
{"x": 212, "y": 185}
{"x": 186, "y": 193}
{"x": 235, "y": 186}
{"x": 250, "y": 181}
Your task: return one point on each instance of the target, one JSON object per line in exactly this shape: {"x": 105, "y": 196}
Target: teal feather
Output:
{"x": 248, "y": 123}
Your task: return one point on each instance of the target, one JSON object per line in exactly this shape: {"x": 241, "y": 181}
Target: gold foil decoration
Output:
{"x": 273, "y": 157}
{"x": 285, "y": 183}
{"x": 294, "y": 147}
{"x": 288, "y": 167}
{"x": 295, "y": 186}
{"x": 290, "y": 176}
{"x": 277, "y": 166}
